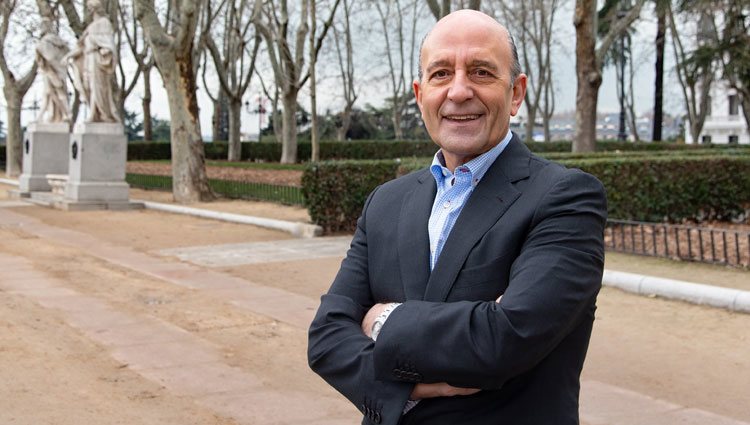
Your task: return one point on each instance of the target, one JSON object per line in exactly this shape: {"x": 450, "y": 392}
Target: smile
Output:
{"x": 462, "y": 117}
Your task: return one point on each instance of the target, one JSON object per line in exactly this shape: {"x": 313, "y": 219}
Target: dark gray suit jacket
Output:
{"x": 531, "y": 231}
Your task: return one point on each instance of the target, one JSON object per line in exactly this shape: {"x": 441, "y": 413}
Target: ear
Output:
{"x": 417, "y": 93}
{"x": 519, "y": 93}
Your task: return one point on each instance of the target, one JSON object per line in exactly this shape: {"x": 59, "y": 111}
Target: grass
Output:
{"x": 241, "y": 164}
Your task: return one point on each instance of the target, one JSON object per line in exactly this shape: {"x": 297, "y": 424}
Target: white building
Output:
{"x": 725, "y": 123}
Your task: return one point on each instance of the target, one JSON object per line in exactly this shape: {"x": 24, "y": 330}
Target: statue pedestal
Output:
{"x": 97, "y": 155}
{"x": 45, "y": 151}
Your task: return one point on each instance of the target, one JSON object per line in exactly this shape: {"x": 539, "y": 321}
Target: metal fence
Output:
{"x": 290, "y": 195}
{"x": 689, "y": 243}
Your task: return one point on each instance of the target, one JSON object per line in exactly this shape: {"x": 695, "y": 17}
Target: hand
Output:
{"x": 440, "y": 389}
{"x": 370, "y": 318}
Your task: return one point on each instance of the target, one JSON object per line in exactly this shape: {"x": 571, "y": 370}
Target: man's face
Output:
{"x": 465, "y": 94}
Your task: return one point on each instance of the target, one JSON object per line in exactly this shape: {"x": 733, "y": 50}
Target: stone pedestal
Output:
{"x": 45, "y": 151}
{"x": 97, "y": 155}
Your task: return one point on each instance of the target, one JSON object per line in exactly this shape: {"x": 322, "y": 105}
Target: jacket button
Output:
{"x": 417, "y": 377}
{"x": 377, "y": 418}
{"x": 398, "y": 373}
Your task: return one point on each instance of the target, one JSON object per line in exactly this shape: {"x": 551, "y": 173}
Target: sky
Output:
{"x": 374, "y": 93}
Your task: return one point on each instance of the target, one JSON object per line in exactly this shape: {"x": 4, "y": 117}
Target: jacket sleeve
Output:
{"x": 340, "y": 352}
{"x": 552, "y": 287}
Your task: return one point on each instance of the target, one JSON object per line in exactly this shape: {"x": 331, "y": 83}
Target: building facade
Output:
{"x": 725, "y": 123}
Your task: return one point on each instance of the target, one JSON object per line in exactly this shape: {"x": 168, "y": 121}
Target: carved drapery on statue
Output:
{"x": 50, "y": 52}
{"x": 93, "y": 64}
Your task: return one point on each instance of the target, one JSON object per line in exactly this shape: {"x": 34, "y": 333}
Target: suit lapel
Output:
{"x": 413, "y": 238}
{"x": 490, "y": 200}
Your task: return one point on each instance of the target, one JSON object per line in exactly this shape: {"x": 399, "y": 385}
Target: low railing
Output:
{"x": 290, "y": 195}
{"x": 689, "y": 243}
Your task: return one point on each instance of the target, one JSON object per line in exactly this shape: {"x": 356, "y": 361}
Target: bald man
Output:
{"x": 469, "y": 290}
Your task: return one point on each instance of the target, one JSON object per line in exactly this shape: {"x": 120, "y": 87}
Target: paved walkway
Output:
{"x": 189, "y": 365}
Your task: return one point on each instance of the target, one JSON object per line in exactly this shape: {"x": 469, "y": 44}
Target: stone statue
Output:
{"x": 93, "y": 62}
{"x": 50, "y": 52}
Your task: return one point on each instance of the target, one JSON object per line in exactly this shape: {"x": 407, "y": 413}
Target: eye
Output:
{"x": 482, "y": 73}
{"x": 441, "y": 73}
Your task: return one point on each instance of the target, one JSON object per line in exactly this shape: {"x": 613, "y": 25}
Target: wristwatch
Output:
{"x": 377, "y": 325}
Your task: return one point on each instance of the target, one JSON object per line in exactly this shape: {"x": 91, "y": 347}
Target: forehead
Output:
{"x": 470, "y": 41}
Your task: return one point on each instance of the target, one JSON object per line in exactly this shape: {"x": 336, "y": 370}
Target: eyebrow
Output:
{"x": 483, "y": 64}
{"x": 437, "y": 64}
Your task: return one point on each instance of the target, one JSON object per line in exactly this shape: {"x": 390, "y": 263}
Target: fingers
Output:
{"x": 440, "y": 389}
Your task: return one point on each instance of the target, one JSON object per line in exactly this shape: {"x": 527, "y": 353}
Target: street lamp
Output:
{"x": 260, "y": 110}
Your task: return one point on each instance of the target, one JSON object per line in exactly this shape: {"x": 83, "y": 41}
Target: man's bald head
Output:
{"x": 470, "y": 17}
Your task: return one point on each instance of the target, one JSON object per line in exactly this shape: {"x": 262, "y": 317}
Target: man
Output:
{"x": 468, "y": 293}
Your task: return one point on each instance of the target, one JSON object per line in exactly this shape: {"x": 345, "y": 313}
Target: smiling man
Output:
{"x": 469, "y": 290}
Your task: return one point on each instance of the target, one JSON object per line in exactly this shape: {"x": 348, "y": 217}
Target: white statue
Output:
{"x": 50, "y": 52}
{"x": 93, "y": 62}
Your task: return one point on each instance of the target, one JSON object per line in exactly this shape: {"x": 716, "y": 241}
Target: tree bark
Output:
{"x": 314, "y": 142}
{"x": 661, "y": 30}
{"x": 146, "y": 104}
{"x": 589, "y": 58}
{"x": 289, "y": 128}
{"x": 13, "y": 144}
{"x": 588, "y": 76}
{"x": 175, "y": 62}
{"x": 235, "y": 117}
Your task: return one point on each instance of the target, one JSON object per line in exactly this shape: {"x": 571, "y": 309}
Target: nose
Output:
{"x": 460, "y": 89}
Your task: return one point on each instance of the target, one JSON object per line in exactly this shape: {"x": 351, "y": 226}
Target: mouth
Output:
{"x": 462, "y": 118}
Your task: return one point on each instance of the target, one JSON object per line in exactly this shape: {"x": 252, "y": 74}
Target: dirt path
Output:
{"x": 52, "y": 373}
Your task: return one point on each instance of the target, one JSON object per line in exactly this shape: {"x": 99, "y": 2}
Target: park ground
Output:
{"x": 102, "y": 322}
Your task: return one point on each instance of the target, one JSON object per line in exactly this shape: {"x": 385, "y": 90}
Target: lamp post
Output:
{"x": 260, "y": 110}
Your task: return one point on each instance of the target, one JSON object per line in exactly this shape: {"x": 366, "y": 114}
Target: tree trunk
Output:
{"x": 530, "y": 123}
{"x": 146, "y": 103}
{"x": 346, "y": 122}
{"x": 588, "y": 75}
{"x": 398, "y": 132}
{"x": 314, "y": 142}
{"x": 661, "y": 29}
{"x": 235, "y": 143}
{"x": 189, "y": 180}
{"x": 289, "y": 128}
{"x": 13, "y": 145}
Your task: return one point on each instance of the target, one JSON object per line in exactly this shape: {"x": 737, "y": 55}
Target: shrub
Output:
{"x": 335, "y": 192}
{"x": 667, "y": 187}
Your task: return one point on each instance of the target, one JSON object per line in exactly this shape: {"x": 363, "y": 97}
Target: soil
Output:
{"x": 50, "y": 373}
{"x": 278, "y": 177}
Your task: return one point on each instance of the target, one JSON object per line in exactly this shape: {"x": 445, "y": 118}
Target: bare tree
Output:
{"x": 235, "y": 63}
{"x": 288, "y": 61}
{"x": 144, "y": 60}
{"x": 345, "y": 59}
{"x": 532, "y": 21}
{"x": 399, "y": 46}
{"x": 661, "y": 31}
{"x": 589, "y": 62}
{"x": 15, "y": 86}
{"x": 696, "y": 77}
{"x": 314, "y": 142}
{"x": 444, "y": 6}
{"x": 172, "y": 45}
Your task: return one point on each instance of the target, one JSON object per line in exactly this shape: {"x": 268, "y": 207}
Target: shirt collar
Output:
{"x": 477, "y": 167}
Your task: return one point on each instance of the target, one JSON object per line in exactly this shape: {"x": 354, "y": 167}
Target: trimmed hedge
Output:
{"x": 665, "y": 188}
{"x": 382, "y": 149}
{"x": 335, "y": 192}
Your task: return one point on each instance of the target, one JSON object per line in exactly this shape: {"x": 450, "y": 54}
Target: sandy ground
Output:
{"x": 52, "y": 374}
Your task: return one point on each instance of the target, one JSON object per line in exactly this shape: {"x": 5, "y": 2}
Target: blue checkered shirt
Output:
{"x": 453, "y": 190}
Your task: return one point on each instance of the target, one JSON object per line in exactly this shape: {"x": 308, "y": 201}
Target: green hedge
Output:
{"x": 335, "y": 192}
{"x": 381, "y": 149}
{"x": 671, "y": 188}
